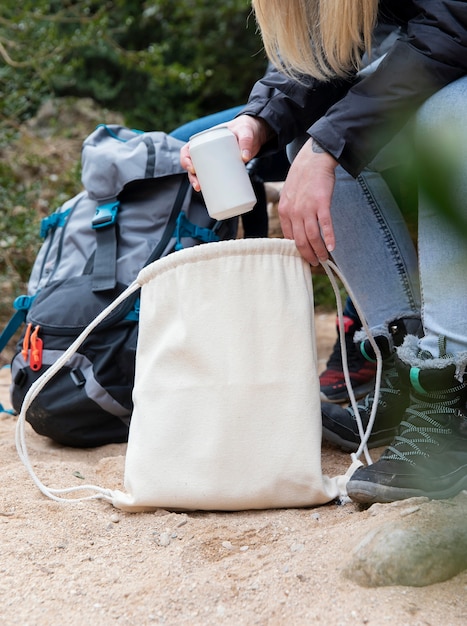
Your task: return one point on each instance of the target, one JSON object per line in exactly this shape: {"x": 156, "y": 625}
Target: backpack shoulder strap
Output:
{"x": 105, "y": 258}
{"x": 22, "y": 304}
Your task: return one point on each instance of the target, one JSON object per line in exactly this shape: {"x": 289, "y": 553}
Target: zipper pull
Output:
{"x": 27, "y": 335}
{"x": 36, "y": 350}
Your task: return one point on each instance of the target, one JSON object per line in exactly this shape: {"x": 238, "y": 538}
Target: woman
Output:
{"x": 335, "y": 200}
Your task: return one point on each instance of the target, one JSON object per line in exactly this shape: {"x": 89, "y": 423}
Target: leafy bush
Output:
{"x": 32, "y": 180}
{"x": 159, "y": 63}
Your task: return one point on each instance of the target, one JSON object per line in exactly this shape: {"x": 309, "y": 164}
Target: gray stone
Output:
{"x": 427, "y": 546}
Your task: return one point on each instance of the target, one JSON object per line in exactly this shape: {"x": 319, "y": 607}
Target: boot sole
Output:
{"x": 369, "y": 493}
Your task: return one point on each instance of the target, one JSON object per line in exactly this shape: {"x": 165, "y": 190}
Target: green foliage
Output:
{"x": 33, "y": 181}
{"x": 159, "y": 63}
{"x": 440, "y": 172}
{"x": 18, "y": 236}
{"x": 17, "y": 222}
{"x": 323, "y": 293}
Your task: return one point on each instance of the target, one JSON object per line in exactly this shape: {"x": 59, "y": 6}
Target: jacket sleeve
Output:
{"x": 431, "y": 55}
{"x": 291, "y": 107}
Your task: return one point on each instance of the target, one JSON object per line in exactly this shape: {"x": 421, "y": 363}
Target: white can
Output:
{"x": 223, "y": 178}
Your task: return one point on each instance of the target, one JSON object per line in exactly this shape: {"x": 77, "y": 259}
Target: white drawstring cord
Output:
{"x": 35, "y": 389}
{"x": 364, "y": 435}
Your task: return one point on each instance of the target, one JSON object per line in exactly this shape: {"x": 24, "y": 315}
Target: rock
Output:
{"x": 425, "y": 547}
{"x": 164, "y": 539}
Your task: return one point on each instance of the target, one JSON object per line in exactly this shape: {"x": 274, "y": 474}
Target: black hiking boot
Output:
{"x": 428, "y": 456}
{"x": 340, "y": 424}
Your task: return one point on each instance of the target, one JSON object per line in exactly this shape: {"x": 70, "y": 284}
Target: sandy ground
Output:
{"x": 87, "y": 563}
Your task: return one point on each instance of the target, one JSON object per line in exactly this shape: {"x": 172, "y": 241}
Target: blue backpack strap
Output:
{"x": 105, "y": 260}
{"x": 185, "y": 228}
{"x": 53, "y": 221}
{"x": 133, "y": 315}
{"x": 9, "y": 411}
{"x": 22, "y": 304}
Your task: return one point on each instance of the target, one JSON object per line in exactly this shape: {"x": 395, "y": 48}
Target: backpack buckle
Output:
{"x": 23, "y": 303}
{"x": 106, "y": 215}
{"x": 185, "y": 228}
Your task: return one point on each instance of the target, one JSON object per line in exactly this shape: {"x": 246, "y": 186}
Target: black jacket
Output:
{"x": 352, "y": 119}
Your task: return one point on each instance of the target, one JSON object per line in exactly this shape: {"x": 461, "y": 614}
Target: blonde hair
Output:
{"x": 321, "y": 38}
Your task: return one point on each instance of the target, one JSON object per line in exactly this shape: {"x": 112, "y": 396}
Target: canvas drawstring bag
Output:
{"x": 226, "y": 395}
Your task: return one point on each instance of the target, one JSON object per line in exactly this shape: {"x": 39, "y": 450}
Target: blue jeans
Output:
{"x": 203, "y": 123}
{"x": 374, "y": 249}
{"x": 442, "y": 245}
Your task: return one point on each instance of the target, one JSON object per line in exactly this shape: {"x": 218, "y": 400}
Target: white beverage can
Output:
{"x": 223, "y": 178}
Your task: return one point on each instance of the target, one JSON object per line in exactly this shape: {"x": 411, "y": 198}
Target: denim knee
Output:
{"x": 446, "y": 108}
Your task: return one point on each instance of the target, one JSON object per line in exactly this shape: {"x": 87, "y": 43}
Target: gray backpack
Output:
{"x": 136, "y": 207}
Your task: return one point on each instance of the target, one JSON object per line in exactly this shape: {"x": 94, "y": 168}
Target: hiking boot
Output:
{"x": 361, "y": 371}
{"x": 428, "y": 456}
{"x": 340, "y": 424}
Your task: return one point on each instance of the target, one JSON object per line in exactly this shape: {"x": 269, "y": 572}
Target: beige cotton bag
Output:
{"x": 226, "y": 395}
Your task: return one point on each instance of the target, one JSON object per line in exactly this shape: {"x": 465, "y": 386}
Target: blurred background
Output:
{"x": 66, "y": 66}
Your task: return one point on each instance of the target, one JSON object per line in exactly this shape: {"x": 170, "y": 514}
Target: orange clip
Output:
{"x": 25, "y": 350}
{"x": 36, "y": 350}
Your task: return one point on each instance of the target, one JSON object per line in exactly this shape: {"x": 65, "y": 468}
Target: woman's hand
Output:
{"x": 251, "y": 133}
{"x": 305, "y": 203}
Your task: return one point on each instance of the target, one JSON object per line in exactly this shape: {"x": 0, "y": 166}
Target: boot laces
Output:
{"x": 423, "y": 426}
{"x": 387, "y": 388}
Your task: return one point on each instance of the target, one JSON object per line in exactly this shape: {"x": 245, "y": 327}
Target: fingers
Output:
{"x": 250, "y": 135}
{"x": 327, "y": 231}
{"x": 305, "y": 204}
{"x": 187, "y": 164}
{"x": 306, "y": 218}
{"x": 249, "y": 131}
{"x": 248, "y": 143}
{"x": 306, "y": 232}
